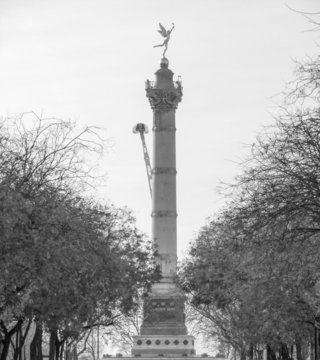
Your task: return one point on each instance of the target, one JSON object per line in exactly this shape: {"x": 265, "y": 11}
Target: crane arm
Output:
{"x": 142, "y": 129}
{"x": 147, "y": 161}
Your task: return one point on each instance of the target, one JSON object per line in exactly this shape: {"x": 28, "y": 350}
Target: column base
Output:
{"x": 163, "y": 345}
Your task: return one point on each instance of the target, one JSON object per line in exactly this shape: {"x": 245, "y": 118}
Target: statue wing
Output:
{"x": 162, "y": 31}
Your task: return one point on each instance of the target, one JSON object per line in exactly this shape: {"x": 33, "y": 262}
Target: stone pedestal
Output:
{"x": 164, "y": 311}
{"x": 163, "y": 345}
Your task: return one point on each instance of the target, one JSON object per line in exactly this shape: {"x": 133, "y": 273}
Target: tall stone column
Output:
{"x": 163, "y": 331}
{"x": 164, "y": 96}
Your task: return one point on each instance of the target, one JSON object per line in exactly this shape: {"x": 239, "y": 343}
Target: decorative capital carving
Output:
{"x": 164, "y": 99}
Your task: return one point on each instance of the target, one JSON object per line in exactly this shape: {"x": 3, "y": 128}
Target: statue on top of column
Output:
{"x": 166, "y": 34}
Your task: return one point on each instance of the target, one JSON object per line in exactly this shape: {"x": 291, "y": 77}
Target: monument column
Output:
{"x": 164, "y": 96}
{"x": 163, "y": 331}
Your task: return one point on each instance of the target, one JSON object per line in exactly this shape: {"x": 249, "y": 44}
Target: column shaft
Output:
{"x": 164, "y": 205}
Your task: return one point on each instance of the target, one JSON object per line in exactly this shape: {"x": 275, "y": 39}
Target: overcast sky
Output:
{"x": 88, "y": 59}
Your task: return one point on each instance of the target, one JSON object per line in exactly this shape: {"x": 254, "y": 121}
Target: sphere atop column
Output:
{"x": 164, "y": 63}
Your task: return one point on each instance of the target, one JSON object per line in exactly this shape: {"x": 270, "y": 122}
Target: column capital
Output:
{"x": 164, "y": 99}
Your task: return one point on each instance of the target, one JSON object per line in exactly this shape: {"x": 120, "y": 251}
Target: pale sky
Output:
{"x": 88, "y": 60}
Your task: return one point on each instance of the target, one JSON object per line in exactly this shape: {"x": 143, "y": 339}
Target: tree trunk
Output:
{"x": 55, "y": 346}
{"x": 16, "y": 347}
{"x": 311, "y": 348}
{"x": 316, "y": 347}
{"x": 7, "y": 338}
{"x": 5, "y": 347}
{"x": 20, "y": 339}
{"x": 284, "y": 352}
{"x": 243, "y": 354}
{"x": 71, "y": 352}
{"x": 270, "y": 353}
{"x": 36, "y": 344}
{"x": 251, "y": 352}
{"x": 60, "y": 349}
{"x": 75, "y": 353}
{"x": 52, "y": 345}
{"x": 68, "y": 354}
{"x": 299, "y": 348}
{"x": 317, "y": 340}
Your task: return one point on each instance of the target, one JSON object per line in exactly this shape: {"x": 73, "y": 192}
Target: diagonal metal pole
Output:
{"x": 146, "y": 160}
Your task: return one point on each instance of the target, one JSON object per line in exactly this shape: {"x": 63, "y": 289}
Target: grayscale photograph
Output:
{"x": 159, "y": 179}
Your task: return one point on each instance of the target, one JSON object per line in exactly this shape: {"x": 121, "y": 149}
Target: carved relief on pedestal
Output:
{"x": 164, "y": 312}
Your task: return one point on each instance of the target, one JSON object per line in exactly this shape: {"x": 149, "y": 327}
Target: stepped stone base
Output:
{"x": 163, "y": 332}
{"x": 163, "y": 345}
{"x": 175, "y": 357}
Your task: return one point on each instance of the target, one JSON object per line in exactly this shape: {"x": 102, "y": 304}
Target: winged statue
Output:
{"x": 166, "y": 34}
